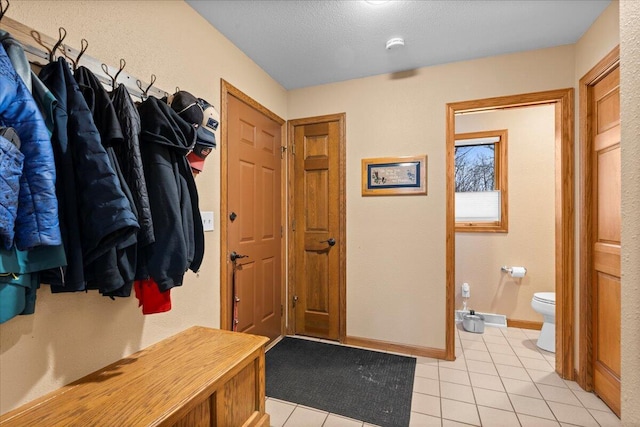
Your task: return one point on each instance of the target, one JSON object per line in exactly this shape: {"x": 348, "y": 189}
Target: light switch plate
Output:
{"x": 207, "y": 220}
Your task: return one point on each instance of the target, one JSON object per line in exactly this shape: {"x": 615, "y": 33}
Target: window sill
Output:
{"x": 481, "y": 227}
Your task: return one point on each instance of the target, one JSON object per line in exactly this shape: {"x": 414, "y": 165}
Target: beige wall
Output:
{"x": 396, "y": 245}
{"x": 73, "y": 334}
{"x": 598, "y": 40}
{"x": 530, "y": 241}
{"x": 630, "y": 117}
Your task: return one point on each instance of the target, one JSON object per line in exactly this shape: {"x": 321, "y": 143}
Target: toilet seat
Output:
{"x": 545, "y": 297}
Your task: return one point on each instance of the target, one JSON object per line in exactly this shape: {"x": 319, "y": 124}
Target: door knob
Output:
{"x": 234, "y": 256}
{"x": 331, "y": 241}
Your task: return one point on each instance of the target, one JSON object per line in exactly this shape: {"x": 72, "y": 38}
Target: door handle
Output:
{"x": 234, "y": 256}
{"x": 331, "y": 241}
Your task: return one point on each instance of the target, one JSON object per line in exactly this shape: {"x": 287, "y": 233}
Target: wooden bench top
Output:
{"x": 149, "y": 387}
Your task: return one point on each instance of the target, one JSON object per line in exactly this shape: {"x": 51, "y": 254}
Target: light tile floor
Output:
{"x": 499, "y": 378}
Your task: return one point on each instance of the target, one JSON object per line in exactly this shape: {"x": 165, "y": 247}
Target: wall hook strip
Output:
{"x": 36, "y": 46}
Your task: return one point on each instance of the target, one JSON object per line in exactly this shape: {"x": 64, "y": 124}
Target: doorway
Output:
{"x": 562, "y": 99}
{"x": 317, "y": 232}
{"x": 251, "y": 247}
{"x": 600, "y": 230}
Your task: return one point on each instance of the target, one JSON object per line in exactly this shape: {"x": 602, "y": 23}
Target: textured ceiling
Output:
{"x": 307, "y": 43}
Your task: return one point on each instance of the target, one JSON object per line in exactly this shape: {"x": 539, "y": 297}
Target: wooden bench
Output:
{"x": 199, "y": 377}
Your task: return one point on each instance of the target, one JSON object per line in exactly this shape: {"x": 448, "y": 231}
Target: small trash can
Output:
{"x": 473, "y": 322}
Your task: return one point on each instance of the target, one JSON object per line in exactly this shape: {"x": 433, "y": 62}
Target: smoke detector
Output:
{"x": 395, "y": 42}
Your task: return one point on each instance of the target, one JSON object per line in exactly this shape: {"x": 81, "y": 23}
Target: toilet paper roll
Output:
{"x": 518, "y": 272}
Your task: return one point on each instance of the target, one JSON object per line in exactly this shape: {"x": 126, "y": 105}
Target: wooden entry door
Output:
{"x": 604, "y": 99}
{"x": 253, "y": 220}
{"x": 317, "y": 299}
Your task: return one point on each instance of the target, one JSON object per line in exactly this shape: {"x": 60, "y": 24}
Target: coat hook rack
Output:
{"x": 37, "y": 46}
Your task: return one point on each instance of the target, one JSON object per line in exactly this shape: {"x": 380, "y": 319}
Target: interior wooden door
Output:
{"x": 317, "y": 229}
{"x": 606, "y": 196}
{"x": 254, "y": 219}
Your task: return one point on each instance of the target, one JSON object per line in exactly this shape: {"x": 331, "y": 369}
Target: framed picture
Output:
{"x": 394, "y": 176}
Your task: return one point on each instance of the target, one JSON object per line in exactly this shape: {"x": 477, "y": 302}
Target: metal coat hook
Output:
{"x": 36, "y": 36}
{"x": 75, "y": 62}
{"x": 84, "y": 45}
{"x": 50, "y": 52}
{"x": 105, "y": 69}
{"x": 145, "y": 91}
{"x": 123, "y": 64}
{"x": 3, "y": 10}
{"x": 62, "y": 33}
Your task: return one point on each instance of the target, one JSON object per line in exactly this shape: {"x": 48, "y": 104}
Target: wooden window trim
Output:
{"x": 501, "y": 162}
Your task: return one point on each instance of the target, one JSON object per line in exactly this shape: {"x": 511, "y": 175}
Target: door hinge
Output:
{"x": 281, "y": 310}
{"x": 293, "y": 225}
{"x": 293, "y": 149}
{"x": 281, "y": 231}
{"x": 283, "y": 148}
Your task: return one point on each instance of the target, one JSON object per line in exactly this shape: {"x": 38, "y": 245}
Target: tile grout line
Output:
{"x": 537, "y": 385}
{"x": 475, "y": 402}
{"x": 532, "y": 381}
{"x": 502, "y": 382}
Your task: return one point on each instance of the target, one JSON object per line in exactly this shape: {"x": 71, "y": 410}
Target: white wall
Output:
{"x": 530, "y": 241}
{"x": 71, "y": 335}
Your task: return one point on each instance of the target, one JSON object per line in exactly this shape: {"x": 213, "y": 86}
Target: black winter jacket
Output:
{"x": 95, "y": 215}
{"x": 130, "y": 160}
{"x": 164, "y": 142}
{"x": 112, "y": 273}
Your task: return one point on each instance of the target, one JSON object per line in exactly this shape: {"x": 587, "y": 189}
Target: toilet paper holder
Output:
{"x": 510, "y": 269}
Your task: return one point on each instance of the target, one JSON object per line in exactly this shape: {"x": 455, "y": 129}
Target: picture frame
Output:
{"x": 394, "y": 176}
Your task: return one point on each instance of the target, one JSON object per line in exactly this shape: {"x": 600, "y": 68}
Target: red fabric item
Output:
{"x": 150, "y": 298}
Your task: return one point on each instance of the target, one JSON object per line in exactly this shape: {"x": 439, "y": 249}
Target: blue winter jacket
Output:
{"x": 11, "y": 160}
{"x": 37, "y": 215}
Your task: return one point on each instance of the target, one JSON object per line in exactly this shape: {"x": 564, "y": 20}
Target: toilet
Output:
{"x": 545, "y": 304}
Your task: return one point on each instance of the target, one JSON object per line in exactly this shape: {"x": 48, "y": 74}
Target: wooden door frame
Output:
{"x": 585, "y": 346}
{"x": 227, "y": 89}
{"x": 563, "y": 99}
{"x": 342, "y": 234}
